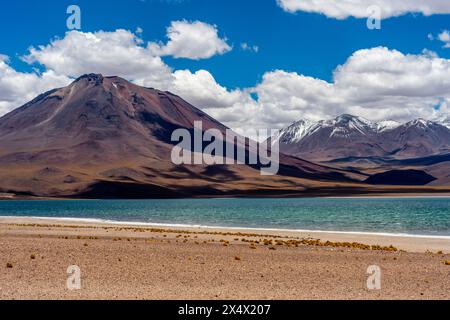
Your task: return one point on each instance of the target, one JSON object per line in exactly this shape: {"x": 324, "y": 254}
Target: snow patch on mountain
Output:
{"x": 297, "y": 131}
{"x": 387, "y": 125}
{"x": 346, "y": 126}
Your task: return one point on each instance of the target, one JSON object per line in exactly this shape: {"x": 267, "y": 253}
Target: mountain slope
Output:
{"x": 418, "y": 138}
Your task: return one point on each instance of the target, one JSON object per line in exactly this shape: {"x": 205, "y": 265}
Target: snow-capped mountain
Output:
{"x": 344, "y": 126}
{"x": 444, "y": 120}
{"x": 387, "y": 125}
{"x": 351, "y": 136}
{"x": 417, "y": 138}
{"x": 297, "y": 131}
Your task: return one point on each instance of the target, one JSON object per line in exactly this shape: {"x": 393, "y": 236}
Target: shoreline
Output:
{"x": 231, "y": 228}
{"x": 349, "y": 195}
{"x": 407, "y": 242}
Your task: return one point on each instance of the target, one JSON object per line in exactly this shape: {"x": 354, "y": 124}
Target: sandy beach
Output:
{"x": 145, "y": 262}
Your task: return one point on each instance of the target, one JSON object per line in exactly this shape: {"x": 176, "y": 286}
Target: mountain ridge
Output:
{"x": 352, "y": 136}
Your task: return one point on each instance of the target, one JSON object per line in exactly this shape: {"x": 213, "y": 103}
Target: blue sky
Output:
{"x": 310, "y": 44}
{"x": 297, "y": 43}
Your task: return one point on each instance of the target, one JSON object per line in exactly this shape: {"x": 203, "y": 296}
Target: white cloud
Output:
{"x": 376, "y": 83}
{"x": 444, "y": 36}
{"x": 194, "y": 40}
{"x": 234, "y": 108}
{"x": 203, "y": 91}
{"x": 246, "y": 47}
{"x": 17, "y": 88}
{"x": 119, "y": 53}
{"x": 342, "y": 9}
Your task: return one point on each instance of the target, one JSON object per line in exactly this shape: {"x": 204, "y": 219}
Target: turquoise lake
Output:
{"x": 418, "y": 216}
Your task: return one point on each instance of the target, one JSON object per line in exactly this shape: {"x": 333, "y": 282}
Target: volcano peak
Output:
{"x": 91, "y": 77}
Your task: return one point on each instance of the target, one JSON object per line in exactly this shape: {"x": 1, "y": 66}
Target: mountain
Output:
{"x": 417, "y": 138}
{"x": 340, "y": 137}
{"x": 296, "y": 131}
{"x": 96, "y": 115}
{"x": 105, "y": 137}
{"x": 350, "y": 136}
{"x": 444, "y": 120}
{"x": 387, "y": 125}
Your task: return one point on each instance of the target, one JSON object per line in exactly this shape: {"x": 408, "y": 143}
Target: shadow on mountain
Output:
{"x": 401, "y": 178}
{"x": 420, "y": 161}
{"x": 123, "y": 190}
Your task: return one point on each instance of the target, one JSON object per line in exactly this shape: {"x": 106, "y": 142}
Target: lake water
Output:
{"x": 418, "y": 216}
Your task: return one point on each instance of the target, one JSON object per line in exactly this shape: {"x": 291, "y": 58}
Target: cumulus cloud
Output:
{"x": 235, "y": 108}
{"x": 16, "y": 88}
{"x": 342, "y": 9}
{"x": 193, "y": 40}
{"x": 376, "y": 83}
{"x": 444, "y": 37}
{"x": 120, "y": 53}
{"x": 203, "y": 90}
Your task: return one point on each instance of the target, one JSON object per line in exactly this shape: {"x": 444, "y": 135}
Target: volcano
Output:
{"x": 104, "y": 137}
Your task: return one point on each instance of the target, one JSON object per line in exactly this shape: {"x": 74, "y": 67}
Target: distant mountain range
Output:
{"x": 352, "y": 136}
{"x": 354, "y": 143}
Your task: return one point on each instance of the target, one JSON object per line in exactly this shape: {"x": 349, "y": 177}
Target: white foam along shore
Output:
{"x": 408, "y": 242}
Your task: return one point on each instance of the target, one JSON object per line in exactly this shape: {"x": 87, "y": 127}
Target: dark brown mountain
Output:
{"x": 106, "y": 137}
